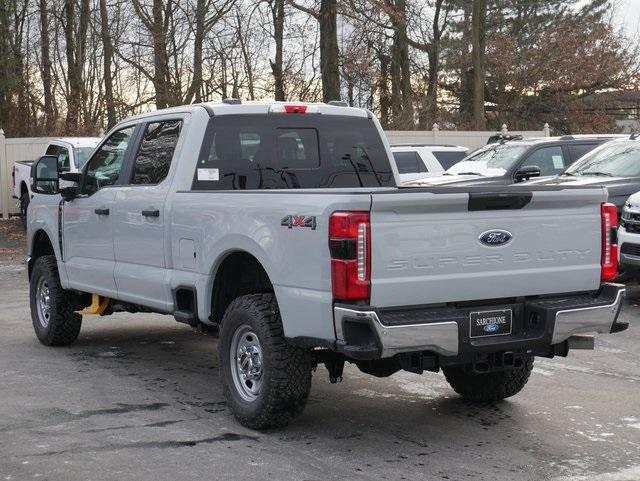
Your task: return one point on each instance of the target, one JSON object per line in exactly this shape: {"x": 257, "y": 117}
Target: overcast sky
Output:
{"x": 628, "y": 16}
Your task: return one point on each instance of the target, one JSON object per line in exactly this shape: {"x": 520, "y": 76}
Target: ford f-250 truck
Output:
{"x": 280, "y": 227}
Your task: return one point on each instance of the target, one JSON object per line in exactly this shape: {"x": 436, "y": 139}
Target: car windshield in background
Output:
{"x": 615, "y": 159}
{"x": 81, "y": 155}
{"x": 492, "y": 160}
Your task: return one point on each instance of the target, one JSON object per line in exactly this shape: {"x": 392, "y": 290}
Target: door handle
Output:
{"x": 151, "y": 213}
{"x": 102, "y": 211}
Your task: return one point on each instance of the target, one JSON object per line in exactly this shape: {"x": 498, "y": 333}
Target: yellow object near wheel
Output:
{"x": 98, "y": 305}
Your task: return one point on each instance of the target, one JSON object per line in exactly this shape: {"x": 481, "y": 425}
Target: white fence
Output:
{"x": 29, "y": 148}
{"x": 469, "y": 139}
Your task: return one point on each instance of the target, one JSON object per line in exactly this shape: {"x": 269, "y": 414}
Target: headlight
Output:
{"x": 626, "y": 215}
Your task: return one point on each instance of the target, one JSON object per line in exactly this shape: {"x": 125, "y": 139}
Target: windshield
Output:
{"x": 615, "y": 159}
{"x": 492, "y": 160}
{"x": 81, "y": 155}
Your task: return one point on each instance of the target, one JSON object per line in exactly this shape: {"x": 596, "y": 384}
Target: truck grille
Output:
{"x": 630, "y": 249}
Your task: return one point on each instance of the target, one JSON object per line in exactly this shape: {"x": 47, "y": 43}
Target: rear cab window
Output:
{"x": 291, "y": 151}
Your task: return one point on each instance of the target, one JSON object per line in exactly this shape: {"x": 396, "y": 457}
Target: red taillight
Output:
{"x": 295, "y": 109}
{"x": 350, "y": 247}
{"x": 609, "y": 256}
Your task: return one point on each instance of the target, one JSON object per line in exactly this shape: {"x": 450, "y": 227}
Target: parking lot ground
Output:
{"x": 137, "y": 397}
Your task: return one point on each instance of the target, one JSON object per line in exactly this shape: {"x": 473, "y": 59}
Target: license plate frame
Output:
{"x": 480, "y": 320}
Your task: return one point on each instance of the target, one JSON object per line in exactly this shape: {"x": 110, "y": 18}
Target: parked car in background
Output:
{"x": 72, "y": 153}
{"x": 629, "y": 237}
{"x": 281, "y": 228}
{"x": 518, "y": 160}
{"x": 497, "y": 138}
{"x": 615, "y": 165}
{"x": 419, "y": 161}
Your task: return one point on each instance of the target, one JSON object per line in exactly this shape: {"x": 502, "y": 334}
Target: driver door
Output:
{"x": 88, "y": 226}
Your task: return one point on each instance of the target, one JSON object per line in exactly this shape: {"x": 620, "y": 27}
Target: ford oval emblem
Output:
{"x": 495, "y": 238}
{"x": 490, "y": 328}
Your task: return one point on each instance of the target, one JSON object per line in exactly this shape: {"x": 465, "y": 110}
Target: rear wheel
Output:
{"x": 492, "y": 386}
{"x": 266, "y": 380}
{"x": 52, "y": 315}
{"x": 24, "y": 204}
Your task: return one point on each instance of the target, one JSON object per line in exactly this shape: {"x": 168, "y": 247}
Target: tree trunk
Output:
{"x": 196, "y": 86}
{"x": 383, "y": 88}
{"x": 478, "y": 61}
{"x": 277, "y": 11}
{"x": 73, "y": 102}
{"x": 107, "y": 59}
{"x": 45, "y": 53}
{"x": 429, "y": 112}
{"x": 160, "y": 62}
{"x": 401, "y": 98}
{"x": 329, "y": 50}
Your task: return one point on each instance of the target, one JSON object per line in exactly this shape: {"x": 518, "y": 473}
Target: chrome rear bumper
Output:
{"x": 561, "y": 318}
{"x": 583, "y": 320}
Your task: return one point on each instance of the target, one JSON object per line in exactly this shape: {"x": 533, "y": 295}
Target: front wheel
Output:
{"x": 52, "y": 315}
{"x": 492, "y": 386}
{"x": 266, "y": 380}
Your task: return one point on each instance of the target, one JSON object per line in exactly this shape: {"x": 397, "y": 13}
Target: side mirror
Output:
{"x": 526, "y": 172}
{"x": 44, "y": 175}
{"x": 70, "y": 192}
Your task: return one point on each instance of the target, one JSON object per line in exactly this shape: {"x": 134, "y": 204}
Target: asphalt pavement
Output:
{"x": 137, "y": 397}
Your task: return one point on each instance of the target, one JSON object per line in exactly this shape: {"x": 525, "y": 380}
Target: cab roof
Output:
{"x": 78, "y": 141}
{"x": 236, "y": 107}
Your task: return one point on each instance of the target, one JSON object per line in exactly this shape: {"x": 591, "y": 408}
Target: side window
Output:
{"x": 578, "y": 150}
{"x": 62, "y": 154}
{"x": 52, "y": 150}
{"x": 549, "y": 160}
{"x": 153, "y": 159}
{"x": 104, "y": 166}
{"x": 409, "y": 163}
{"x": 63, "y": 160}
{"x": 448, "y": 159}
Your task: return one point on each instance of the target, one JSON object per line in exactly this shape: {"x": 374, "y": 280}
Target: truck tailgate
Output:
{"x": 426, "y": 246}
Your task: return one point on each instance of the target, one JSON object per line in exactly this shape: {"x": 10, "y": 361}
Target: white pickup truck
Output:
{"x": 72, "y": 153}
{"x": 280, "y": 228}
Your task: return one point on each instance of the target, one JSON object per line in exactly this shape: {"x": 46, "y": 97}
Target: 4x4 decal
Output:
{"x": 292, "y": 221}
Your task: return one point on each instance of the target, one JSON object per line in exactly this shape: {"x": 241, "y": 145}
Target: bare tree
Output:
{"x": 326, "y": 15}
{"x": 478, "y": 46}
{"x": 49, "y": 107}
{"x": 107, "y": 47}
{"x": 277, "y": 10}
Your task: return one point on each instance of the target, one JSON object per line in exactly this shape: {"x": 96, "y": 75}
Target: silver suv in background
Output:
{"x": 419, "y": 161}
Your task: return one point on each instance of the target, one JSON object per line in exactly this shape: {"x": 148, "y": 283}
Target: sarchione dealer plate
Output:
{"x": 490, "y": 323}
